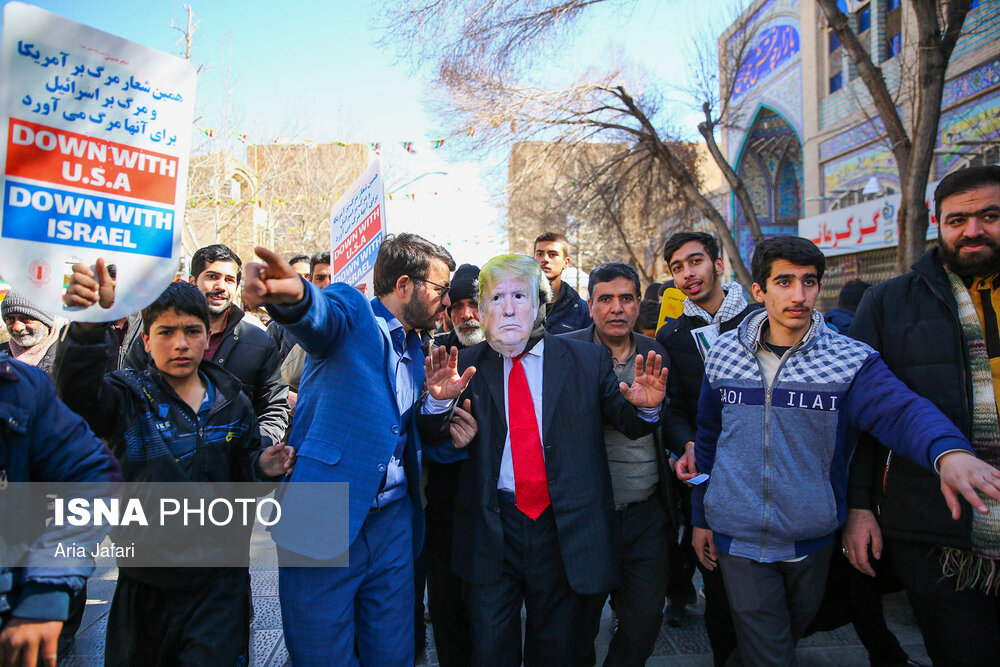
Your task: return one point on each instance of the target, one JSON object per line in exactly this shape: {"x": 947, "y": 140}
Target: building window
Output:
{"x": 986, "y": 156}
{"x": 893, "y": 29}
{"x": 864, "y": 24}
{"x": 835, "y": 63}
{"x": 836, "y": 82}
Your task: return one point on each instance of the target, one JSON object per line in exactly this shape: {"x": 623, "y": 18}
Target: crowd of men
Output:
{"x": 803, "y": 464}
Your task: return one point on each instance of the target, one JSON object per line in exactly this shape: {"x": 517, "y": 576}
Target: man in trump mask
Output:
{"x": 534, "y": 507}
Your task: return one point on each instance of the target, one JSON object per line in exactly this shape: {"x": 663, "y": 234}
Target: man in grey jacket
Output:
{"x": 781, "y": 404}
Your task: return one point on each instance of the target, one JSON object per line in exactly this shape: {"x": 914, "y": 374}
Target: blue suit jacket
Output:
{"x": 346, "y": 421}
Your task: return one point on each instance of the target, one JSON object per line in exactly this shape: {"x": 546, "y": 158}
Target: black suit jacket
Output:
{"x": 644, "y": 345}
{"x": 579, "y": 394}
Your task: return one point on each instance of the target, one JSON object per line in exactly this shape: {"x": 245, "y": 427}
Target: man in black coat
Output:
{"x": 711, "y": 309}
{"x": 446, "y": 597}
{"x": 642, "y": 483}
{"x": 237, "y": 341}
{"x": 534, "y": 517}
{"x": 895, "y": 513}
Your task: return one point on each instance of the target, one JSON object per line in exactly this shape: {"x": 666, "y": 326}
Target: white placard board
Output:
{"x": 94, "y": 141}
{"x": 357, "y": 229}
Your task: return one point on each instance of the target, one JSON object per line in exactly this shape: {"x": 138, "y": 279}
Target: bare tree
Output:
{"x": 607, "y": 199}
{"x": 298, "y": 185}
{"x": 483, "y": 53}
{"x": 938, "y": 28}
{"x": 187, "y": 35}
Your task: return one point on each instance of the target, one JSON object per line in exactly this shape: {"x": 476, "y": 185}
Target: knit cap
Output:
{"x": 14, "y": 303}
{"x": 465, "y": 284}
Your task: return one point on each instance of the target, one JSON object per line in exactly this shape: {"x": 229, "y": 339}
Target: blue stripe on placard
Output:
{"x": 51, "y": 215}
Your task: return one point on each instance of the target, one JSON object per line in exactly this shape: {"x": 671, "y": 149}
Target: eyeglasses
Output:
{"x": 441, "y": 289}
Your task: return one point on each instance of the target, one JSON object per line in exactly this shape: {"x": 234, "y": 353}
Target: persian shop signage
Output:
{"x": 866, "y": 226}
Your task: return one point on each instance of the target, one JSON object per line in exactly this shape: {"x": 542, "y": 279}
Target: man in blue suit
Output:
{"x": 355, "y": 423}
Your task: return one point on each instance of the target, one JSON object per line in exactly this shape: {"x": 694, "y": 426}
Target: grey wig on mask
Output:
{"x": 523, "y": 268}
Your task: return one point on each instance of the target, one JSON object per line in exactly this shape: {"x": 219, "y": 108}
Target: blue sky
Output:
{"x": 313, "y": 70}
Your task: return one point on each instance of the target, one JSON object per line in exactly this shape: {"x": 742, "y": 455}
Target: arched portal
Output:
{"x": 770, "y": 165}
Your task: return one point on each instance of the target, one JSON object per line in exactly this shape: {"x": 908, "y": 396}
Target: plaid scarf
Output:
{"x": 33, "y": 355}
{"x": 732, "y": 305}
{"x": 979, "y": 567}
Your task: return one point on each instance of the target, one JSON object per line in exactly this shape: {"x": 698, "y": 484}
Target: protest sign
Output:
{"x": 95, "y": 133}
{"x": 357, "y": 228}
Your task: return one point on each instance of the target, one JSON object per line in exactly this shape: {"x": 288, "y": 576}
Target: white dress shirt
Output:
{"x": 532, "y": 362}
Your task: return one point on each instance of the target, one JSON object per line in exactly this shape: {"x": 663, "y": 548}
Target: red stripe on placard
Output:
{"x": 66, "y": 158}
{"x": 357, "y": 239}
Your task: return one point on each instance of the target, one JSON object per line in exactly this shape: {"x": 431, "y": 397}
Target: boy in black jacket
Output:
{"x": 182, "y": 420}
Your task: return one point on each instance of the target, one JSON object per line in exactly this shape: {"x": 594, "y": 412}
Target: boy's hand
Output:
{"x": 277, "y": 460}
{"x": 274, "y": 281}
{"x": 963, "y": 473}
{"x": 29, "y": 642}
{"x": 704, "y": 547}
{"x": 87, "y": 287}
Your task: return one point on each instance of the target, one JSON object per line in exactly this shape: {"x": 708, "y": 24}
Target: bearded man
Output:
{"x": 355, "y": 424}
{"x": 32, "y": 332}
{"x": 936, "y": 328}
{"x": 534, "y": 520}
{"x": 446, "y": 597}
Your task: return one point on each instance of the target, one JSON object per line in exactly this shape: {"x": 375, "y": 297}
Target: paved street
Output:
{"x": 684, "y": 646}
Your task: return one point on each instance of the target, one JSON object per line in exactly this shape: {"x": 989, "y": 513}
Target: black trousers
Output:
{"x": 856, "y": 598}
{"x": 151, "y": 626}
{"x": 959, "y": 627}
{"x": 682, "y": 556}
{"x": 533, "y": 575}
{"x": 683, "y": 561}
{"x": 447, "y": 598}
{"x": 639, "y": 600}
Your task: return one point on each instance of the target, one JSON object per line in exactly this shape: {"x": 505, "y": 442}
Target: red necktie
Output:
{"x": 531, "y": 488}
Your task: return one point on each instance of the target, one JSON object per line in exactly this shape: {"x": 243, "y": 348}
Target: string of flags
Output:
{"x": 410, "y": 147}
{"x": 283, "y": 201}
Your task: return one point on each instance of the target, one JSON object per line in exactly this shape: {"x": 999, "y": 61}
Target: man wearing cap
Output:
{"x": 32, "y": 332}
{"x": 447, "y": 601}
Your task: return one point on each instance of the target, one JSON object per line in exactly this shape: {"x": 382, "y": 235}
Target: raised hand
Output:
{"x": 650, "y": 385}
{"x": 87, "y": 287}
{"x": 441, "y": 372}
{"x": 964, "y": 474}
{"x": 274, "y": 281}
